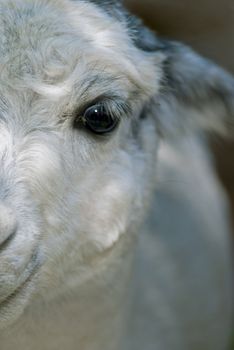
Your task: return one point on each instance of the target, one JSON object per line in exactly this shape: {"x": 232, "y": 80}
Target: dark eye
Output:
{"x": 98, "y": 120}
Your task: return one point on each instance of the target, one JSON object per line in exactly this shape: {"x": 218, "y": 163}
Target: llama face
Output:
{"x": 76, "y": 159}
{"x": 84, "y": 94}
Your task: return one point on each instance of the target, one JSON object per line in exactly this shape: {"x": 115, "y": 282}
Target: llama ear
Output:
{"x": 195, "y": 93}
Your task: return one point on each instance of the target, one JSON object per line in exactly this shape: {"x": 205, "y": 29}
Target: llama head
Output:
{"x": 85, "y": 94}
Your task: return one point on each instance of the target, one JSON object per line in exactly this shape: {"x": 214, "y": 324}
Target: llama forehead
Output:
{"x": 55, "y": 46}
{"x": 35, "y": 33}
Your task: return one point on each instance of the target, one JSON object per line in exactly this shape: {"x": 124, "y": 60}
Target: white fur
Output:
{"x": 77, "y": 202}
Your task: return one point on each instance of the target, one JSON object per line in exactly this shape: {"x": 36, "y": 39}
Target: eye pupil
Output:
{"x": 99, "y": 121}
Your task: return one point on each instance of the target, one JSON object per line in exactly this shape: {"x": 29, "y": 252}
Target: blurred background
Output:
{"x": 208, "y": 26}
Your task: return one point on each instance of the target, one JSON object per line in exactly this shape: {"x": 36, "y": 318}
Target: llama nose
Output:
{"x": 8, "y": 223}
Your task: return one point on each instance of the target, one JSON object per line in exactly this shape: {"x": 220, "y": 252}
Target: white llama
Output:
{"x": 88, "y": 99}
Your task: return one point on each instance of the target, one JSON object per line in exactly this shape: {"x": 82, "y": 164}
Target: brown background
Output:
{"x": 208, "y": 26}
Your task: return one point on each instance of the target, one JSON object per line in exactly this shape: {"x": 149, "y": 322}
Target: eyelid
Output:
{"x": 113, "y": 104}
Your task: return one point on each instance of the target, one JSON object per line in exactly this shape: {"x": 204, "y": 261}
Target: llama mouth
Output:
{"x": 4, "y": 244}
{"x": 22, "y": 293}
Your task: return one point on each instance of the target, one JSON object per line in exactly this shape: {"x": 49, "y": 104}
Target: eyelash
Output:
{"x": 113, "y": 105}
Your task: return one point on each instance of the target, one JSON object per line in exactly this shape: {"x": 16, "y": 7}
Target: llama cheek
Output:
{"x": 111, "y": 215}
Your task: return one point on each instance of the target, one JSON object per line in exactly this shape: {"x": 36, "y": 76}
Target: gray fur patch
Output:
{"x": 142, "y": 36}
{"x": 112, "y": 7}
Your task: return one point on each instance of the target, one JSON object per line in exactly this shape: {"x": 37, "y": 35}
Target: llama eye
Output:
{"x": 98, "y": 120}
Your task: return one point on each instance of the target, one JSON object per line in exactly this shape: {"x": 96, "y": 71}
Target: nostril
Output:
{"x": 8, "y": 223}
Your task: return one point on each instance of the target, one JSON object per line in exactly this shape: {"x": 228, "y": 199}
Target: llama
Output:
{"x": 96, "y": 113}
